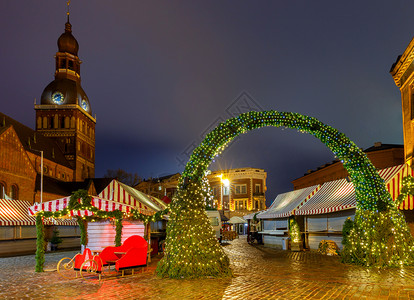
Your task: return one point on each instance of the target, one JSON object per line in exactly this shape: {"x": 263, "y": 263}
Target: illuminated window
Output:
{"x": 226, "y": 190}
{"x": 240, "y": 205}
{"x": 257, "y": 188}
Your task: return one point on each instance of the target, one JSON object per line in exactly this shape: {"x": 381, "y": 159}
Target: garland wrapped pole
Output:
{"x": 190, "y": 251}
{"x": 40, "y": 244}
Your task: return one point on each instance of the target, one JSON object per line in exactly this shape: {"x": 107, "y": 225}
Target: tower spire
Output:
{"x": 68, "y": 13}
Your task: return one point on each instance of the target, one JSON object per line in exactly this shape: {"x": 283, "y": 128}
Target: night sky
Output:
{"x": 159, "y": 74}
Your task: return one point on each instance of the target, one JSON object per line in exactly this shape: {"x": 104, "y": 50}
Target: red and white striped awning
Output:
{"x": 101, "y": 204}
{"x": 394, "y": 186}
{"x": 14, "y": 213}
{"x": 124, "y": 194}
{"x": 285, "y": 204}
{"x": 332, "y": 196}
{"x": 340, "y": 194}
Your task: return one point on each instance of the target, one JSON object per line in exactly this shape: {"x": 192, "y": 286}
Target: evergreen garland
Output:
{"x": 346, "y": 231}
{"x": 83, "y": 233}
{"x": 40, "y": 244}
{"x": 374, "y": 203}
{"x": 379, "y": 239}
{"x": 118, "y": 230}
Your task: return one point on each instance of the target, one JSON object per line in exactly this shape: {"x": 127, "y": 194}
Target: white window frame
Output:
{"x": 240, "y": 189}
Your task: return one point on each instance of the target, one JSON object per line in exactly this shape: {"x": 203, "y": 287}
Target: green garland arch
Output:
{"x": 190, "y": 250}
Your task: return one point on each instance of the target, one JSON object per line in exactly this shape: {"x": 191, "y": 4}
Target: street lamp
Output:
{"x": 41, "y": 174}
{"x": 225, "y": 183}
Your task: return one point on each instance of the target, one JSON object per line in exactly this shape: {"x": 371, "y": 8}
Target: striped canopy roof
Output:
{"x": 124, "y": 194}
{"x": 122, "y": 197}
{"x": 339, "y": 194}
{"x": 285, "y": 204}
{"x": 16, "y": 212}
{"x": 62, "y": 203}
{"x": 394, "y": 187}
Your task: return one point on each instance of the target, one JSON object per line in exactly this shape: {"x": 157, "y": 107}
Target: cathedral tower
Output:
{"x": 65, "y": 113}
{"x": 403, "y": 73}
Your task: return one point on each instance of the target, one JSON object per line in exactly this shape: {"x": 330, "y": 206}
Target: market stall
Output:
{"x": 104, "y": 221}
{"x": 275, "y": 219}
{"x": 18, "y": 231}
{"x": 326, "y": 211}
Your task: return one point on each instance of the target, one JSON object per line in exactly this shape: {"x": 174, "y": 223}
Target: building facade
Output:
{"x": 236, "y": 192}
{"x": 403, "y": 75}
{"x": 61, "y": 149}
{"x": 160, "y": 187}
{"x": 381, "y": 155}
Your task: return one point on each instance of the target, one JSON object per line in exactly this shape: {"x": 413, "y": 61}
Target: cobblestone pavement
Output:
{"x": 259, "y": 273}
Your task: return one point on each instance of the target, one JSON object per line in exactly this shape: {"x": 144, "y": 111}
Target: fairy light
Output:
{"x": 375, "y": 208}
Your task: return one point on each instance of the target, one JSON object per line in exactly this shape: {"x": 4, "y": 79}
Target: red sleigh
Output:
{"x": 130, "y": 255}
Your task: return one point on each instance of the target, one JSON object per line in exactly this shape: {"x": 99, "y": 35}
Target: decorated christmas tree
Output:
{"x": 192, "y": 249}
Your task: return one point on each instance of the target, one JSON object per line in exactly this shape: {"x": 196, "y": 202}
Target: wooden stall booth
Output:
{"x": 118, "y": 212}
{"x": 276, "y": 218}
{"x": 325, "y": 213}
{"x": 18, "y": 229}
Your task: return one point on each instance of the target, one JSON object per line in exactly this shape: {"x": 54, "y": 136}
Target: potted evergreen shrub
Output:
{"x": 295, "y": 237}
{"x": 55, "y": 240}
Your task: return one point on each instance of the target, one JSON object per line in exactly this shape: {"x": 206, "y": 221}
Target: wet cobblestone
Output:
{"x": 259, "y": 273}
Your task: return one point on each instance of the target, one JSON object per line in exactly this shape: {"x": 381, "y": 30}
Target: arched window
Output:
{"x": 72, "y": 122}
{"x": 2, "y": 190}
{"x": 14, "y": 192}
{"x": 66, "y": 122}
{"x": 56, "y": 121}
{"x": 45, "y": 122}
{"x": 62, "y": 64}
{"x": 412, "y": 106}
{"x": 39, "y": 123}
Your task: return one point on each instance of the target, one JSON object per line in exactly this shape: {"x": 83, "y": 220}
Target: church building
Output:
{"x": 45, "y": 162}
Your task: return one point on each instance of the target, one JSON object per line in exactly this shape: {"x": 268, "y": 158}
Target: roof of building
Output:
{"x": 160, "y": 179}
{"x": 378, "y": 146}
{"x": 66, "y": 188}
{"x": 67, "y": 42}
{"x": 35, "y": 142}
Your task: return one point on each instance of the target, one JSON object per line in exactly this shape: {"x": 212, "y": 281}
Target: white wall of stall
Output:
{"x": 326, "y": 227}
